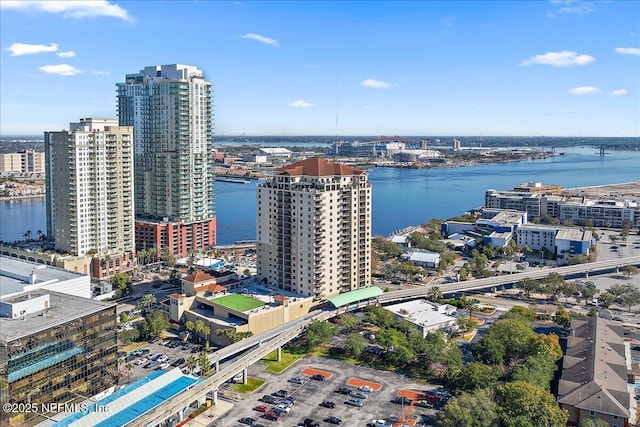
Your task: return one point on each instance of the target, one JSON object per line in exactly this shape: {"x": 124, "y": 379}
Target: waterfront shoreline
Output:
{"x": 31, "y": 196}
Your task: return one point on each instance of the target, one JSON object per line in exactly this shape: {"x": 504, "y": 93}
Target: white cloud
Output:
{"x": 261, "y": 39}
{"x": 627, "y": 51}
{"x": 376, "y": 84}
{"x": 571, "y": 7}
{"x": 61, "y": 70}
{"x": 77, "y": 9}
{"x": 100, "y": 72}
{"x": 67, "y": 54}
{"x": 301, "y": 104}
{"x": 619, "y": 92}
{"x": 18, "y": 49}
{"x": 585, "y": 90}
{"x": 565, "y": 58}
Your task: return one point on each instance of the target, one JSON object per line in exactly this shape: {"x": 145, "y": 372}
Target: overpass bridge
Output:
{"x": 250, "y": 350}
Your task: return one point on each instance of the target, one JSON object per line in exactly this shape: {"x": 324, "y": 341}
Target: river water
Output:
{"x": 401, "y": 197}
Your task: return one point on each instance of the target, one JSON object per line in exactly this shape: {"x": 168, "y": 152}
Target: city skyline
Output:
{"x": 557, "y": 68}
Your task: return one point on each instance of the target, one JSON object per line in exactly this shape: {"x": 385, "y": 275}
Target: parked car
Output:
{"x": 247, "y": 420}
{"x": 333, "y": 420}
{"x": 272, "y": 415}
{"x": 141, "y": 361}
{"x": 178, "y": 362}
{"x": 164, "y": 365}
{"x": 267, "y": 398}
{"x": 261, "y": 408}
{"x": 280, "y": 393}
{"x": 310, "y": 422}
{"x": 296, "y": 380}
{"x": 354, "y": 402}
{"x": 360, "y": 395}
{"x": 283, "y": 407}
{"x": 152, "y": 364}
{"x": 318, "y": 377}
{"x": 328, "y": 404}
{"x": 365, "y": 388}
{"x": 344, "y": 390}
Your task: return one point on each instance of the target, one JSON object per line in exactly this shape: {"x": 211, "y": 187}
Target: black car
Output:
{"x": 328, "y": 404}
{"x": 344, "y": 390}
{"x": 280, "y": 393}
{"x": 269, "y": 399}
{"x": 318, "y": 377}
{"x": 333, "y": 420}
{"x": 402, "y": 400}
{"x": 178, "y": 362}
{"x": 247, "y": 420}
{"x": 309, "y": 422}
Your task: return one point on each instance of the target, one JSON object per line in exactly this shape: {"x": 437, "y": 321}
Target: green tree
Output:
{"x": 204, "y": 363}
{"x": 349, "y": 321}
{"x": 354, "y": 344}
{"x": 128, "y": 336}
{"x": 578, "y": 259}
{"x": 477, "y": 375}
{"x": 192, "y": 362}
{"x": 175, "y": 278}
{"x": 146, "y": 302}
{"x": 386, "y": 248}
{"x": 523, "y": 404}
{"x": 562, "y": 317}
{"x": 129, "y": 367}
{"x": 434, "y": 294}
{"x": 631, "y": 297}
{"x": 504, "y": 341}
{"x": 536, "y": 369}
{"x": 124, "y": 318}
{"x": 587, "y": 292}
{"x": 529, "y": 286}
{"x": 464, "y": 273}
{"x": 475, "y": 409}
{"x": 465, "y": 323}
{"x": 523, "y": 313}
{"x": 121, "y": 282}
{"x": 154, "y": 323}
{"x": 319, "y": 333}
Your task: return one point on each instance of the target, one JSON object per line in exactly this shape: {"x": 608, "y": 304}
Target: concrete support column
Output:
{"x": 279, "y": 354}
{"x": 217, "y": 366}
{"x": 215, "y": 396}
{"x": 245, "y": 375}
{"x": 586, "y": 274}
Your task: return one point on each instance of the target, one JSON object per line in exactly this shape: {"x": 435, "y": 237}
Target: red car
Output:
{"x": 261, "y": 408}
{"x": 271, "y": 415}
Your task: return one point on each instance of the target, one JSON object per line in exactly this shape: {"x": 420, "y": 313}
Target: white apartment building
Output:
{"x": 169, "y": 107}
{"x": 603, "y": 213}
{"x": 314, "y": 228}
{"x": 90, "y": 204}
{"x": 563, "y": 242}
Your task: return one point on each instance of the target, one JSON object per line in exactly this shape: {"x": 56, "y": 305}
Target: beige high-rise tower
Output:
{"x": 90, "y": 206}
{"x": 314, "y": 228}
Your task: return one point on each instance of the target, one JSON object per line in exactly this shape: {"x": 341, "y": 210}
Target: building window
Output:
{"x": 592, "y": 413}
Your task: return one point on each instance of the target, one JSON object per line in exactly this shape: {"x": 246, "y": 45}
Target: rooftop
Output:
{"x": 198, "y": 277}
{"x": 63, "y": 308}
{"x": 239, "y": 302}
{"x": 422, "y": 312}
{"x": 15, "y": 274}
{"x": 594, "y": 370}
{"x": 315, "y": 166}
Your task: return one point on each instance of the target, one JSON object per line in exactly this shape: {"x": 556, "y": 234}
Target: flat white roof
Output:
{"x": 422, "y": 312}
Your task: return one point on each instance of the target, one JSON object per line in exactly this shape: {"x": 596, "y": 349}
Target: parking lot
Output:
{"x": 311, "y": 393}
{"x": 153, "y": 352}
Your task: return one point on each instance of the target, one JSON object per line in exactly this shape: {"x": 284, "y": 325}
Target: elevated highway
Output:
{"x": 241, "y": 355}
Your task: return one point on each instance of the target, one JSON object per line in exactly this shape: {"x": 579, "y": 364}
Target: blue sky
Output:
{"x": 531, "y": 68}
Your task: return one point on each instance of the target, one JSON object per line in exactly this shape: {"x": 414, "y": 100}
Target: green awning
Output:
{"x": 355, "y": 296}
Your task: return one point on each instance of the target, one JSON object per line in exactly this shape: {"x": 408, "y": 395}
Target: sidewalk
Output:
{"x": 211, "y": 415}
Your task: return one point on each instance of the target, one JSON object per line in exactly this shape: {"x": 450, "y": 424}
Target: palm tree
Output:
{"x": 204, "y": 363}
{"x": 129, "y": 367}
{"x": 146, "y": 302}
{"x": 27, "y": 236}
{"x": 40, "y": 235}
{"x": 434, "y": 294}
{"x": 192, "y": 362}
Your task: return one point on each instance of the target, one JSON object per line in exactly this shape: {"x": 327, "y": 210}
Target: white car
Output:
{"x": 365, "y": 388}
{"x": 164, "y": 366}
{"x": 283, "y": 407}
{"x": 141, "y": 361}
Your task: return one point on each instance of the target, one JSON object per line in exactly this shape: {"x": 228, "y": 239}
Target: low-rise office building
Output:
{"x": 54, "y": 348}
{"x": 427, "y": 316}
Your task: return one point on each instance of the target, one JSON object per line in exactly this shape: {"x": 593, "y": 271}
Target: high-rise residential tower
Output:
{"x": 314, "y": 228}
{"x": 90, "y": 206}
{"x": 169, "y": 107}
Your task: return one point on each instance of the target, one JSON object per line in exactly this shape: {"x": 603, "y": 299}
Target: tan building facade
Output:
{"x": 27, "y": 161}
{"x": 314, "y": 229}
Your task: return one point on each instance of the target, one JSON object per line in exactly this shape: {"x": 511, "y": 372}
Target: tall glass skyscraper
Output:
{"x": 170, "y": 109}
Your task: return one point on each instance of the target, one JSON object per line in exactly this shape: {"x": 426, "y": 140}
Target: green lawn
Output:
{"x": 286, "y": 360}
{"x": 239, "y": 302}
{"x": 252, "y": 385}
